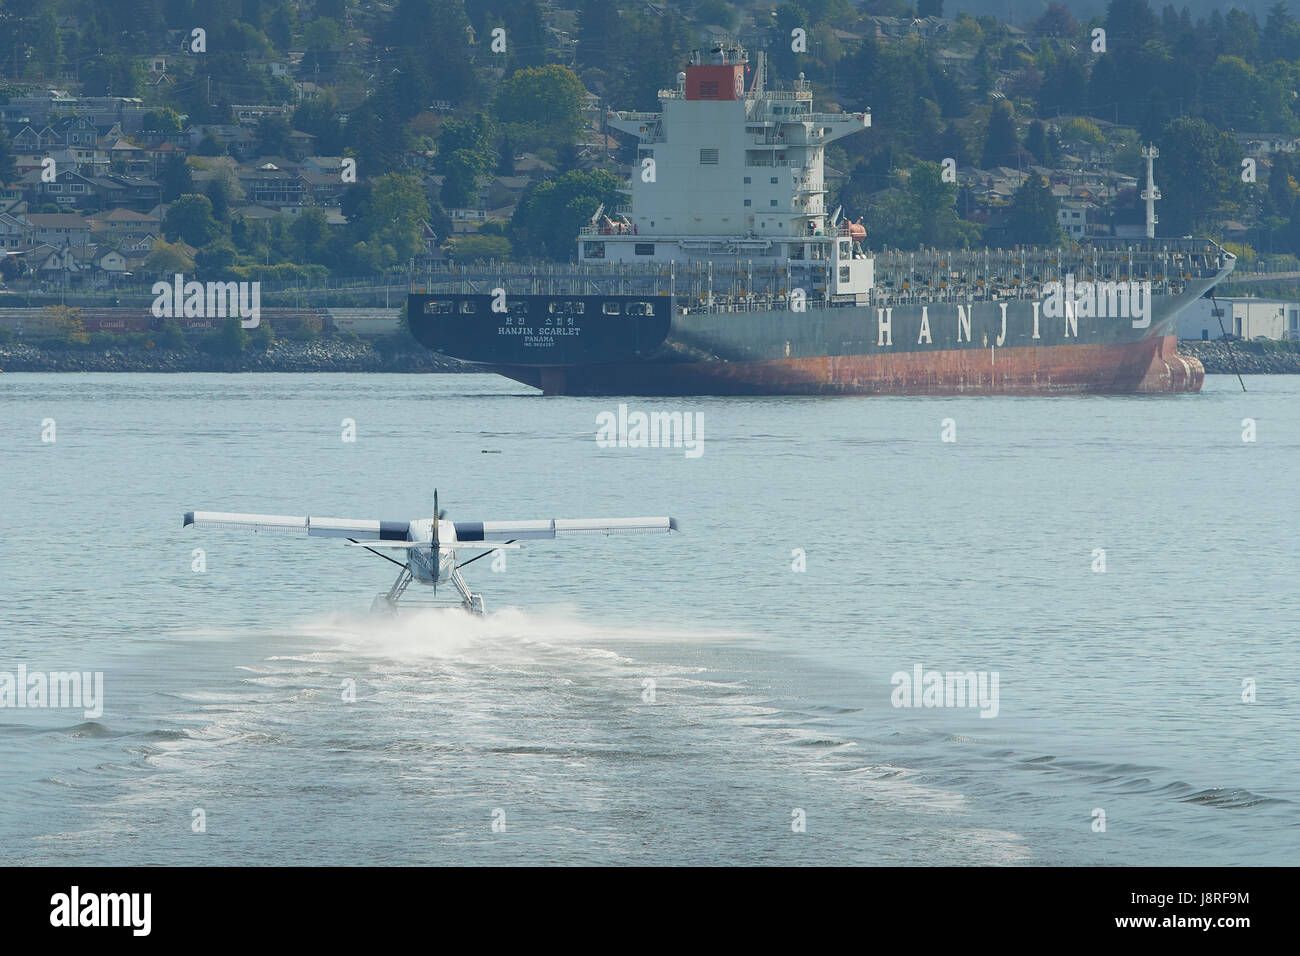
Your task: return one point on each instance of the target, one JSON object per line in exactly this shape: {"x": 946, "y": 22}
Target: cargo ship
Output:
{"x": 725, "y": 274}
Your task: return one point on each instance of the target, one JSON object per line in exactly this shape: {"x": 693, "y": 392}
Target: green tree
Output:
{"x": 46, "y": 45}
{"x": 717, "y": 13}
{"x": 550, "y": 213}
{"x": 464, "y": 154}
{"x": 1083, "y": 131}
{"x": 1039, "y": 143}
{"x": 224, "y": 191}
{"x": 262, "y": 337}
{"x": 280, "y": 30}
{"x": 63, "y": 324}
{"x": 477, "y": 248}
{"x": 311, "y": 233}
{"x": 1033, "y": 218}
{"x": 785, "y": 62}
{"x": 1000, "y": 144}
{"x": 170, "y": 336}
{"x": 229, "y": 340}
{"x": 932, "y": 205}
{"x": 190, "y": 219}
{"x": 162, "y": 119}
{"x": 1198, "y": 166}
{"x": 1056, "y": 21}
{"x": 272, "y": 135}
{"x": 391, "y": 225}
{"x": 214, "y": 260}
{"x": 167, "y": 259}
{"x": 8, "y": 171}
{"x": 542, "y": 106}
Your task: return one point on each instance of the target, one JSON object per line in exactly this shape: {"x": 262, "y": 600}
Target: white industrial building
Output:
{"x": 1247, "y": 318}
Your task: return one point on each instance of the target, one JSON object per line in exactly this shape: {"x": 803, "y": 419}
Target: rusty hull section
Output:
{"x": 1149, "y": 366}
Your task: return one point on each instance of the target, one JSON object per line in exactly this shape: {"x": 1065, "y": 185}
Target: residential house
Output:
{"x": 57, "y": 229}
{"x": 120, "y": 223}
{"x": 69, "y": 188}
{"x": 1072, "y": 217}
{"x": 272, "y": 184}
{"x": 141, "y": 193}
{"x": 321, "y": 188}
{"x": 1261, "y": 145}
{"x": 13, "y": 231}
{"x": 300, "y": 145}
{"x": 126, "y": 157}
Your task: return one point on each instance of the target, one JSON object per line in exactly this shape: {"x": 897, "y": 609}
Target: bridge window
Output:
{"x": 468, "y": 306}
{"x": 640, "y": 308}
{"x": 611, "y": 308}
{"x": 438, "y": 307}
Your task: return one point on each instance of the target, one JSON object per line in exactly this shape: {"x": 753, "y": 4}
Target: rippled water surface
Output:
{"x": 653, "y": 699}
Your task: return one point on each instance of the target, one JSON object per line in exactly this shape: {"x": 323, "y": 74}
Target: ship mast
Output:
{"x": 1151, "y": 193}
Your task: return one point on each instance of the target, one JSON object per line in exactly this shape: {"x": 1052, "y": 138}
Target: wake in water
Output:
{"x": 451, "y": 633}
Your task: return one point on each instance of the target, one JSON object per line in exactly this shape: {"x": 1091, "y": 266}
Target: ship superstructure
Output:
{"x": 729, "y": 169}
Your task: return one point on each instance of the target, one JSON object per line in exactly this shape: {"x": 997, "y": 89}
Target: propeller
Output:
{"x": 436, "y": 554}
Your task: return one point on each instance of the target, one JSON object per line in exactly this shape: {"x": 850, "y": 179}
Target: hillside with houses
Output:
{"x": 309, "y": 142}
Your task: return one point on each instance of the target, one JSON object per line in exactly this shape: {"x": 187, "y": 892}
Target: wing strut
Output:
{"x": 374, "y": 552}
{"x": 483, "y": 555}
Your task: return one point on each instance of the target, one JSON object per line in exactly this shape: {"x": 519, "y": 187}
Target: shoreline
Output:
{"x": 1252, "y": 358}
{"x": 287, "y": 356}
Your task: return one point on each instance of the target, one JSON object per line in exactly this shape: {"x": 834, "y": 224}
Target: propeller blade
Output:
{"x": 437, "y": 554}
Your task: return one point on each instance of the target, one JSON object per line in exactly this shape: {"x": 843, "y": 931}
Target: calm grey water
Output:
{"x": 224, "y": 690}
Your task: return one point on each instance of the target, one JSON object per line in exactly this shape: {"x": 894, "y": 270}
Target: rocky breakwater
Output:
{"x": 287, "y": 356}
{"x": 1252, "y": 358}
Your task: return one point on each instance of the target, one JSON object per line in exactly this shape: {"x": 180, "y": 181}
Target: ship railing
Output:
{"x": 797, "y": 94}
{"x": 900, "y": 277}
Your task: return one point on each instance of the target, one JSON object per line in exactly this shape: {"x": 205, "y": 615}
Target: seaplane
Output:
{"x": 428, "y": 549}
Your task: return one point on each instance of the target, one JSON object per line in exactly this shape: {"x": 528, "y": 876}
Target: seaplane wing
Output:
{"x": 426, "y": 548}
{"x": 358, "y": 529}
{"x": 468, "y": 533}
{"x": 428, "y": 545}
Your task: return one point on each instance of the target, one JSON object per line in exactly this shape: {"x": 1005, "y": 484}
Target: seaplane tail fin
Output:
{"x": 467, "y": 532}
{"x": 359, "y": 529}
